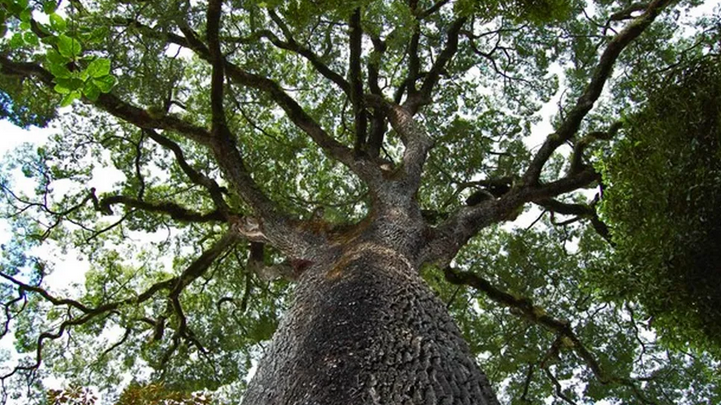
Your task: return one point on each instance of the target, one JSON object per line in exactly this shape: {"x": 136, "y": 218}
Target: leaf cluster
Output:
{"x": 664, "y": 190}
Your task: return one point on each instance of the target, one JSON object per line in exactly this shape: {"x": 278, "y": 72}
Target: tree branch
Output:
{"x": 433, "y": 76}
{"x": 585, "y": 102}
{"x": 409, "y": 84}
{"x": 524, "y": 307}
{"x": 173, "y": 210}
{"x": 113, "y": 105}
{"x": 174, "y": 285}
{"x": 217, "y": 78}
{"x": 215, "y": 191}
{"x": 356, "y": 78}
{"x": 292, "y": 45}
{"x": 414, "y": 137}
{"x": 293, "y": 110}
{"x": 432, "y": 9}
{"x": 580, "y": 210}
{"x": 378, "y": 123}
{"x": 224, "y": 145}
{"x": 580, "y": 146}
{"x": 453, "y": 233}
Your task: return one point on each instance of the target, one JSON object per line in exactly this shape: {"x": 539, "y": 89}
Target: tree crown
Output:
{"x": 254, "y": 139}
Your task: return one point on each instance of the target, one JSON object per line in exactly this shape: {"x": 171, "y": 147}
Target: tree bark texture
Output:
{"x": 366, "y": 329}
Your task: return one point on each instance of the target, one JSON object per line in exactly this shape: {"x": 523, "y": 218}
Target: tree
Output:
{"x": 369, "y": 153}
{"x": 677, "y": 134}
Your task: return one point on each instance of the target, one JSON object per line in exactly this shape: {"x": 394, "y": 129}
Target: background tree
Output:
{"x": 663, "y": 203}
{"x": 351, "y": 147}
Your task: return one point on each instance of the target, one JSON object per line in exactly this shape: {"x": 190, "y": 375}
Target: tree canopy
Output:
{"x": 581, "y": 265}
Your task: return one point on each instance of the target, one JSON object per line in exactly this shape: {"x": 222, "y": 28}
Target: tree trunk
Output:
{"x": 366, "y": 329}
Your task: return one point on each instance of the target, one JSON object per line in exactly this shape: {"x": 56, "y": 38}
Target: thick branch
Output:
{"x": 627, "y": 13}
{"x": 113, "y": 104}
{"x": 216, "y": 193}
{"x": 271, "y": 225}
{"x": 296, "y": 114}
{"x": 220, "y": 128}
{"x": 173, "y": 210}
{"x": 413, "y": 64}
{"x": 292, "y": 45}
{"x": 454, "y": 232}
{"x": 432, "y": 9}
{"x": 226, "y": 152}
{"x": 433, "y": 76}
{"x": 224, "y": 145}
{"x": 571, "y": 124}
{"x": 416, "y": 140}
{"x": 524, "y": 307}
{"x": 378, "y": 122}
{"x": 356, "y": 79}
{"x": 561, "y": 186}
{"x": 293, "y": 110}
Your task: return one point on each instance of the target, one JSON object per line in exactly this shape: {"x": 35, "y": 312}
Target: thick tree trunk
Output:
{"x": 366, "y": 329}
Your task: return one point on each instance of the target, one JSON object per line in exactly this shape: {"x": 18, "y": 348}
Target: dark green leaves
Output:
{"x": 664, "y": 181}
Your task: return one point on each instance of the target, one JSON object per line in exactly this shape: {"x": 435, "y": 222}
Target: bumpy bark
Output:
{"x": 366, "y": 329}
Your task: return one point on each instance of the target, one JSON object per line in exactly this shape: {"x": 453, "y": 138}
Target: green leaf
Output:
{"x": 69, "y": 47}
{"x": 54, "y": 57}
{"x": 57, "y": 22}
{"x": 61, "y": 89}
{"x": 91, "y": 91}
{"x": 105, "y": 83}
{"x": 69, "y": 98}
{"x": 26, "y": 15}
{"x": 99, "y": 67}
{"x": 65, "y": 86}
{"x": 60, "y": 71}
{"x": 31, "y": 38}
{"x": 83, "y": 75}
{"x": 98, "y": 35}
{"x": 24, "y": 26}
{"x": 49, "y": 40}
{"x": 17, "y": 41}
{"x": 49, "y": 7}
{"x": 15, "y": 8}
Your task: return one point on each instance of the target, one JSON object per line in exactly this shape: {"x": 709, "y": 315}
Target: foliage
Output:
{"x": 205, "y": 126}
{"x": 664, "y": 190}
{"x": 134, "y": 394}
